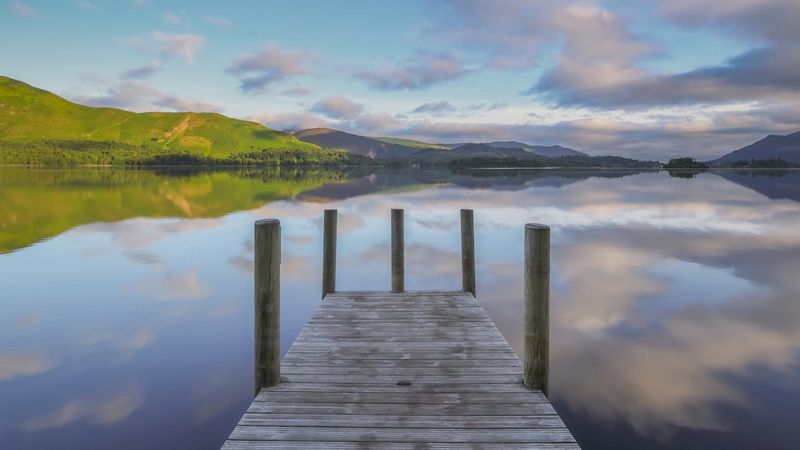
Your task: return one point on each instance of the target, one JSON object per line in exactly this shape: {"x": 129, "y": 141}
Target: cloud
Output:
{"x": 22, "y": 9}
{"x": 172, "y": 286}
{"x": 101, "y": 410}
{"x": 600, "y": 65}
{"x": 373, "y": 122}
{"x": 296, "y": 92}
{"x": 419, "y": 71}
{"x": 766, "y": 21}
{"x": 508, "y": 34}
{"x": 20, "y": 365}
{"x": 441, "y": 108}
{"x": 142, "y": 72}
{"x": 171, "y": 45}
{"x": 218, "y": 21}
{"x": 762, "y": 74}
{"x": 175, "y": 18}
{"x": 138, "y": 96}
{"x": 434, "y": 107}
{"x": 291, "y": 121}
{"x": 338, "y": 108}
{"x": 256, "y": 71}
{"x": 599, "y": 56}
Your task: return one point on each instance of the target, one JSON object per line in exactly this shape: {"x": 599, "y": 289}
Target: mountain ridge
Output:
{"x": 549, "y": 151}
{"x": 773, "y": 146}
{"x": 398, "y": 148}
{"x": 354, "y": 143}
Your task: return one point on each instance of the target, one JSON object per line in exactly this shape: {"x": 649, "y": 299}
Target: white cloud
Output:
{"x": 171, "y": 45}
{"x": 291, "y": 121}
{"x": 219, "y": 21}
{"x": 138, "y": 96}
{"x": 419, "y": 71}
{"x": 338, "y": 108}
{"x": 175, "y": 18}
{"x": 256, "y": 71}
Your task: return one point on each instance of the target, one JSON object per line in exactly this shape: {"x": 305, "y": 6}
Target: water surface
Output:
{"x": 126, "y": 295}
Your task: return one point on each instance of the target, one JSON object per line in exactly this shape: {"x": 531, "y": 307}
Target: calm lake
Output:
{"x": 126, "y": 295}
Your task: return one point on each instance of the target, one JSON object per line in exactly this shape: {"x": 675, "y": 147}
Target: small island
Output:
{"x": 685, "y": 163}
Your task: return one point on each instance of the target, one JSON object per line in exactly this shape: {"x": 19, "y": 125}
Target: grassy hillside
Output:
{"x": 31, "y": 115}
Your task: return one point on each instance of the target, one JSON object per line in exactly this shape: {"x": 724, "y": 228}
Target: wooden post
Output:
{"x": 398, "y": 257}
{"x": 467, "y": 251}
{"x": 329, "y": 253}
{"x": 537, "y": 299}
{"x": 267, "y": 251}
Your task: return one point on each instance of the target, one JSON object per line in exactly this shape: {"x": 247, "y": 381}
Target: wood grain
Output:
{"x": 399, "y": 371}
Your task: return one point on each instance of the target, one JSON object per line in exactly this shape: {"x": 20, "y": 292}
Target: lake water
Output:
{"x": 126, "y": 295}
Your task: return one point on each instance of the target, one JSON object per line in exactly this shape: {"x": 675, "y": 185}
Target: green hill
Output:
{"x": 32, "y": 118}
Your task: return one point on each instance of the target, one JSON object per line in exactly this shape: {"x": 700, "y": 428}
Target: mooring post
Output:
{"x": 467, "y": 251}
{"x": 537, "y": 300}
{"x": 397, "y": 251}
{"x": 329, "y": 252}
{"x": 267, "y": 249}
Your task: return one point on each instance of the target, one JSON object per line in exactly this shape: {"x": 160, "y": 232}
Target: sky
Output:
{"x": 650, "y": 79}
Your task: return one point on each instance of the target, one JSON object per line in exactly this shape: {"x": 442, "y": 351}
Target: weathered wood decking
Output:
{"x": 419, "y": 370}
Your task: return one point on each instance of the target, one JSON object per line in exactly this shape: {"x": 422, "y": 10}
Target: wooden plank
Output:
{"x": 330, "y": 445}
{"x": 416, "y": 378}
{"x": 423, "y": 354}
{"x": 423, "y": 409}
{"x": 416, "y": 435}
{"x": 405, "y": 370}
{"x": 443, "y": 388}
{"x": 295, "y": 361}
{"x": 399, "y": 397}
{"x": 396, "y": 421}
{"x": 392, "y": 341}
{"x": 390, "y": 344}
{"x": 311, "y": 369}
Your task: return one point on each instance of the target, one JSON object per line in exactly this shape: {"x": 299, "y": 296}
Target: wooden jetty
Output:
{"x": 400, "y": 369}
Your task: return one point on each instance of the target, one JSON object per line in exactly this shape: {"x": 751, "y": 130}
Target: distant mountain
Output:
{"x": 550, "y": 151}
{"x": 467, "y": 151}
{"x": 773, "y": 146}
{"x": 410, "y": 143}
{"x": 29, "y": 114}
{"x": 355, "y": 144}
{"x": 494, "y": 153}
